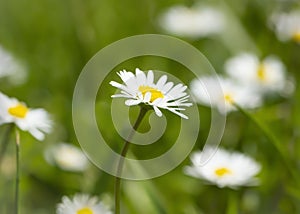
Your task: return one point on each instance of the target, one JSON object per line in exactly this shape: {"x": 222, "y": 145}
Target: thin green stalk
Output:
{"x": 271, "y": 137}
{"x": 233, "y": 203}
{"x": 17, "y": 171}
{"x": 143, "y": 111}
{"x": 5, "y": 141}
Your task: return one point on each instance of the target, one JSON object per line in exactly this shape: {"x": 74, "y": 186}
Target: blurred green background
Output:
{"x": 55, "y": 39}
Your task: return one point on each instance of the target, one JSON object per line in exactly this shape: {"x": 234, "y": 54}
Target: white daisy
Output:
{"x": 222, "y": 93}
{"x": 192, "y": 22}
{"x": 140, "y": 88}
{"x": 35, "y": 121}
{"x": 10, "y": 67}
{"x": 287, "y": 25}
{"x": 223, "y": 168}
{"x": 67, "y": 157}
{"x": 81, "y": 204}
{"x": 267, "y": 75}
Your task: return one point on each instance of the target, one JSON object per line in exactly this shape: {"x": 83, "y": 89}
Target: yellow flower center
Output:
{"x": 296, "y": 36}
{"x": 220, "y": 172}
{"x": 19, "y": 111}
{"x": 228, "y": 98}
{"x": 261, "y": 73}
{"x": 154, "y": 92}
{"x": 85, "y": 210}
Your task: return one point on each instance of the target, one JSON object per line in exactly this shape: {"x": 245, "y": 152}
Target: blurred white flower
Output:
{"x": 223, "y": 168}
{"x": 67, "y": 157}
{"x": 268, "y": 75}
{"x": 140, "y": 88}
{"x": 192, "y": 22}
{"x": 287, "y": 25}
{"x": 222, "y": 93}
{"x": 10, "y": 67}
{"x": 81, "y": 204}
{"x": 35, "y": 121}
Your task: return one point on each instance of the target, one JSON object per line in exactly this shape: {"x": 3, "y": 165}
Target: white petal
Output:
{"x": 132, "y": 102}
{"x": 161, "y": 82}
{"x": 147, "y": 97}
{"x": 157, "y": 111}
{"x": 150, "y": 78}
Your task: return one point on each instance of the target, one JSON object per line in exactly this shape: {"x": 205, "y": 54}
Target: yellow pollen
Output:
{"x": 296, "y": 36}
{"x": 19, "y": 111}
{"x": 85, "y": 210}
{"x": 261, "y": 72}
{"x": 228, "y": 98}
{"x": 154, "y": 92}
{"x": 222, "y": 171}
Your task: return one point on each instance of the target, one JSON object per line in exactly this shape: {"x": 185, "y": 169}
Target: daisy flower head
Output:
{"x": 10, "y": 67}
{"x": 67, "y": 157}
{"x": 81, "y": 204}
{"x": 224, "y": 168}
{"x": 206, "y": 91}
{"x": 192, "y": 22}
{"x": 36, "y": 121}
{"x": 266, "y": 75}
{"x": 287, "y": 25}
{"x": 140, "y": 88}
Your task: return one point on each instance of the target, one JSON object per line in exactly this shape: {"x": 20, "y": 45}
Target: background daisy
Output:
{"x": 266, "y": 75}
{"x": 35, "y": 121}
{"x": 81, "y": 204}
{"x": 10, "y": 67}
{"x": 223, "y": 168}
{"x": 287, "y": 25}
{"x": 67, "y": 157}
{"x": 221, "y": 93}
{"x": 192, "y": 22}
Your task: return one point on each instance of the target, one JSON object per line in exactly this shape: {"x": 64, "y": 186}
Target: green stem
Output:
{"x": 17, "y": 171}
{"x": 232, "y": 205}
{"x": 271, "y": 137}
{"x": 5, "y": 141}
{"x": 124, "y": 151}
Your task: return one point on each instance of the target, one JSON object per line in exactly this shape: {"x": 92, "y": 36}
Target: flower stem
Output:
{"x": 143, "y": 111}
{"x": 5, "y": 141}
{"x": 17, "y": 171}
{"x": 232, "y": 204}
{"x": 271, "y": 137}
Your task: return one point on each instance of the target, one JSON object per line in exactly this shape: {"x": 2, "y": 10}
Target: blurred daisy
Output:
{"x": 192, "y": 22}
{"x": 67, "y": 157}
{"x": 35, "y": 121}
{"x": 287, "y": 25}
{"x": 81, "y": 204}
{"x": 267, "y": 75}
{"x": 10, "y": 67}
{"x": 140, "y": 88}
{"x": 224, "y": 168}
{"x": 222, "y": 93}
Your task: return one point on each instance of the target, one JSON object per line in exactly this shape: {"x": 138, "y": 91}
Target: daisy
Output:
{"x": 35, "y": 121}
{"x": 266, "y": 75}
{"x": 222, "y": 93}
{"x": 223, "y": 168}
{"x": 10, "y": 67}
{"x": 81, "y": 204}
{"x": 287, "y": 25}
{"x": 67, "y": 157}
{"x": 140, "y": 88}
{"x": 192, "y": 22}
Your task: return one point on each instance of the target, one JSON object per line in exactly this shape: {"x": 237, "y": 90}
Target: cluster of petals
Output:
{"x": 140, "y": 88}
